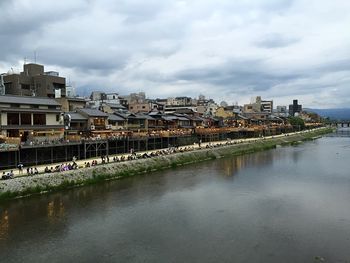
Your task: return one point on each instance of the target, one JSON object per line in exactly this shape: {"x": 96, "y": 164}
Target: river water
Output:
{"x": 289, "y": 204}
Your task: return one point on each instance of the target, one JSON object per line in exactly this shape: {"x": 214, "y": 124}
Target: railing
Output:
{"x": 12, "y": 143}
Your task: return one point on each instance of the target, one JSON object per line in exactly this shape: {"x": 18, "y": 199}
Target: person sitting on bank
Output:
{"x": 36, "y": 171}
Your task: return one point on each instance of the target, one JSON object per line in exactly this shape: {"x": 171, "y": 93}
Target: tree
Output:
{"x": 297, "y": 122}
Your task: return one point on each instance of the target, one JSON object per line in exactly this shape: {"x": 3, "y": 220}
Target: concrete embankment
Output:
{"x": 24, "y": 186}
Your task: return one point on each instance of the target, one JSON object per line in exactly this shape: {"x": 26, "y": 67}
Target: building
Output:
{"x": 202, "y": 101}
{"x": 2, "y": 85}
{"x": 133, "y": 98}
{"x": 31, "y": 118}
{"x": 70, "y": 92}
{"x": 96, "y": 119}
{"x": 136, "y": 107}
{"x": 71, "y": 104}
{"x": 295, "y": 108}
{"x": 172, "y": 109}
{"x": 180, "y": 101}
{"x": 259, "y": 105}
{"x": 281, "y": 111}
{"x": 34, "y": 81}
{"x": 267, "y": 106}
{"x": 78, "y": 123}
{"x": 112, "y": 107}
{"x": 98, "y": 99}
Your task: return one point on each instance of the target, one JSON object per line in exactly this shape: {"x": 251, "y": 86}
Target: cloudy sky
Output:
{"x": 227, "y": 50}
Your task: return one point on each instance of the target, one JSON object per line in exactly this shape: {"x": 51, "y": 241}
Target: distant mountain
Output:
{"x": 333, "y": 114}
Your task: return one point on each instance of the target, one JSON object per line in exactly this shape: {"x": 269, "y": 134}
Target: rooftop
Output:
{"x": 92, "y": 112}
{"x": 12, "y": 99}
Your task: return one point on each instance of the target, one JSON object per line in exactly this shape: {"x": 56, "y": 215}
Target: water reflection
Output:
{"x": 55, "y": 211}
{"x": 4, "y": 224}
{"x": 284, "y": 205}
{"x": 232, "y": 166}
{"x": 340, "y": 132}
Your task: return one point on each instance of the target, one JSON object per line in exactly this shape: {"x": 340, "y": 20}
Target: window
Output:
{"x": 99, "y": 122}
{"x": 39, "y": 119}
{"x": 26, "y": 119}
{"x": 57, "y": 117}
{"x": 25, "y": 86}
{"x": 8, "y": 85}
{"x": 12, "y": 118}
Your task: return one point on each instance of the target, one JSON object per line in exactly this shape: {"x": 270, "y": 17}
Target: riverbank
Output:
{"x": 41, "y": 183}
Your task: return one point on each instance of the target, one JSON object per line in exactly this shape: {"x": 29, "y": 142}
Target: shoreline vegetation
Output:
{"x": 49, "y": 182}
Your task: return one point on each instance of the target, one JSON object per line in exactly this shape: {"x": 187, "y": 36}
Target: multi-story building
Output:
{"x": 98, "y": 99}
{"x": 295, "y": 108}
{"x": 136, "y": 107}
{"x": 34, "y": 81}
{"x": 259, "y": 105}
{"x": 70, "y": 91}
{"x": 266, "y": 106}
{"x": 96, "y": 119}
{"x": 202, "y": 101}
{"x": 180, "y": 101}
{"x": 71, "y": 104}
{"x": 31, "y": 118}
{"x": 281, "y": 111}
{"x": 133, "y": 98}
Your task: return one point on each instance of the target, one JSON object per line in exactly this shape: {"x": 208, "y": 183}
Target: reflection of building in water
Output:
{"x": 234, "y": 165}
{"x": 4, "y": 224}
{"x": 55, "y": 210}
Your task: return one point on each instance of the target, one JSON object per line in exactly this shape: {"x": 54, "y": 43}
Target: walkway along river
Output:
{"x": 24, "y": 186}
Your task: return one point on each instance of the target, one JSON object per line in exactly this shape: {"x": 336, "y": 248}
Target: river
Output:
{"x": 289, "y": 204}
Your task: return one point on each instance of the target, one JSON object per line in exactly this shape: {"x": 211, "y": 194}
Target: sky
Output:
{"x": 226, "y": 50}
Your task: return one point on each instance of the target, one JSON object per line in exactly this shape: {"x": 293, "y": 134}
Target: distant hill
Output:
{"x": 333, "y": 114}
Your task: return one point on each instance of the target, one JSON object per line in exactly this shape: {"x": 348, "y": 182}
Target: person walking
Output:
{"x": 20, "y": 168}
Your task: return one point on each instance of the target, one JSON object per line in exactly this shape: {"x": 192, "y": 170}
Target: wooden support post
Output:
{"x": 51, "y": 154}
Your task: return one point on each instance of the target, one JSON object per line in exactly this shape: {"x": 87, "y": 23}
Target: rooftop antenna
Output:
{"x": 35, "y": 56}
{"x": 25, "y": 60}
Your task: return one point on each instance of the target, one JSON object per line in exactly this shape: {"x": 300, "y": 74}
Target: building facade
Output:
{"x": 295, "y": 108}
{"x": 31, "y": 118}
{"x": 34, "y": 81}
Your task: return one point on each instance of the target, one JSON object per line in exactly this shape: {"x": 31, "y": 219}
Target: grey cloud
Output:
{"x": 21, "y": 24}
{"x": 276, "y": 41}
{"x": 244, "y": 74}
{"x": 104, "y": 39}
{"x": 334, "y": 66}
